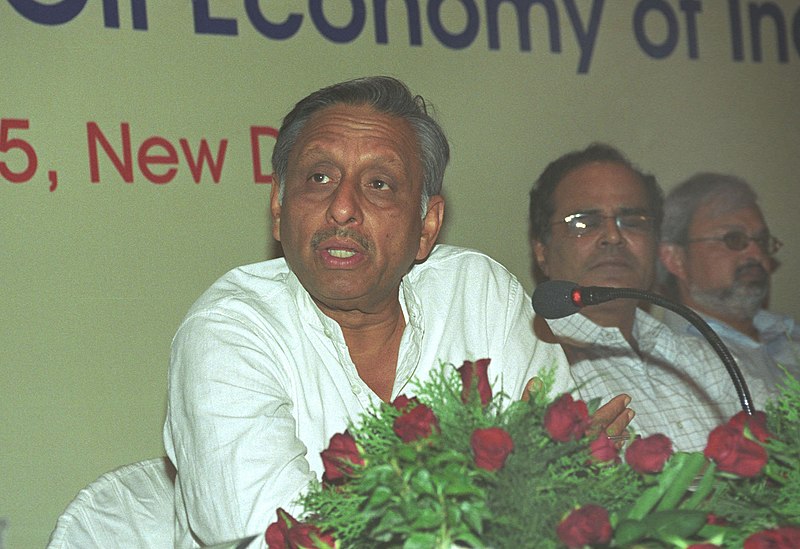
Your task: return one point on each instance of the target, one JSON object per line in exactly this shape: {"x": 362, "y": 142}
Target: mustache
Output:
{"x": 348, "y": 234}
{"x": 751, "y": 266}
{"x": 613, "y": 254}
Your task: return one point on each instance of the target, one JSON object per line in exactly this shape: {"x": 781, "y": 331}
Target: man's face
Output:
{"x": 608, "y": 255}
{"x": 717, "y": 277}
{"x": 350, "y": 223}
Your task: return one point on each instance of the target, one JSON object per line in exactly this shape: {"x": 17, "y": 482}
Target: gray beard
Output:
{"x": 740, "y": 301}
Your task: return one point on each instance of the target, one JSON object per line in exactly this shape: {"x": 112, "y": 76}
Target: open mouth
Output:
{"x": 341, "y": 253}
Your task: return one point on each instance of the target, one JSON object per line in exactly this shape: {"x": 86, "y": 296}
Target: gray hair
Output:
{"x": 386, "y": 95}
{"x": 726, "y": 192}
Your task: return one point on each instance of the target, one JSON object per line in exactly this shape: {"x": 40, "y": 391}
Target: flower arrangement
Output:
{"x": 456, "y": 466}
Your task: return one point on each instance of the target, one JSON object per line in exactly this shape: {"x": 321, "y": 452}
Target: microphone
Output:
{"x": 560, "y": 298}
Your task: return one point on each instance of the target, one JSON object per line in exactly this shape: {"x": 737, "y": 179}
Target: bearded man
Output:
{"x": 718, "y": 254}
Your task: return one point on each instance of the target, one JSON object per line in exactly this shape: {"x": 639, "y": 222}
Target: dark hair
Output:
{"x": 728, "y": 193}
{"x": 386, "y": 95}
{"x": 541, "y": 195}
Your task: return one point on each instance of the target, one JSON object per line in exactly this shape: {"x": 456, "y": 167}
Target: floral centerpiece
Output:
{"x": 456, "y": 466}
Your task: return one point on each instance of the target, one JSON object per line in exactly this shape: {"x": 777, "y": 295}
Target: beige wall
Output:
{"x": 95, "y": 277}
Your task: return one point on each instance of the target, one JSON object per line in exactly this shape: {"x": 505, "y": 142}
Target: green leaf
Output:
{"x": 703, "y": 488}
{"x": 470, "y": 540}
{"x": 390, "y": 521}
{"x": 714, "y": 533}
{"x": 406, "y": 452}
{"x": 427, "y": 519}
{"x": 668, "y": 526}
{"x": 645, "y": 502}
{"x": 421, "y": 482}
{"x": 376, "y": 475}
{"x": 473, "y": 515}
{"x": 420, "y": 541}
{"x": 688, "y": 465}
{"x": 629, "y": 531}
{"x": 381, "y": 495}
{"x": 673, "y": 480}
{"x": 461, "y": 486}
{"x": 674, "y": 524}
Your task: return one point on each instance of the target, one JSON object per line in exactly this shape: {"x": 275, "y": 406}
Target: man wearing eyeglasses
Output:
{"x": 594, "y": 220}
{"x": 718, "y": 255}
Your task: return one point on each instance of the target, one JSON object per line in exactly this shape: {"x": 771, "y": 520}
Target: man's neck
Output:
{"x": 620, "y": 313}
{"x": 373, "y": 341}
{"x": 742, "y": 325}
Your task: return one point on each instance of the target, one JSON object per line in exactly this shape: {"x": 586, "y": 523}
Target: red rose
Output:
{"x": 341, "y": 453}
{"x": 476, "y": 373}
{"x": 277, "y": 534}
{"x": 733, "y": 453}
{"x": 566, "y": 418}
{"x": 604, "y": 449}
{"x": 402, "y": 402}
{"x": 289, "y": 533}
{"x": 648, "y": 455}
{"x": 588, "y": 525}
{"x": 787, "y": 537}
{"x": 418, "y": 422}
{"x": 306, "y": 536}
{"x": 491, "y": 447}
{"x": 757, "y": 423}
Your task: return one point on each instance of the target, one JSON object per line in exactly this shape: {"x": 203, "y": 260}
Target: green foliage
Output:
{"x": 673, "y": 512}
{"x": 772, "y": 499}
{"x": 430, "y": 494}
{"x": 426, "y": 493}
{"x": 542, "y": 481}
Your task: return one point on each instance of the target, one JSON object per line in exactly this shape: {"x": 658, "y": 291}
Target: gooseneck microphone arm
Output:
{"x": 558, "y": 298}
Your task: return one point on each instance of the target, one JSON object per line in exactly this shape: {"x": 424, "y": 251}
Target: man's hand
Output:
{"x": 613, "y": 416}
{"x": 534, "y": 385}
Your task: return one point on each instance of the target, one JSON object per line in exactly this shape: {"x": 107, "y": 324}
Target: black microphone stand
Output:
{"x": 593, "y": 295}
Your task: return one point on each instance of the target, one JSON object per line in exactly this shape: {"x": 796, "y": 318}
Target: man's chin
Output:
{"x": 742, "y": 301}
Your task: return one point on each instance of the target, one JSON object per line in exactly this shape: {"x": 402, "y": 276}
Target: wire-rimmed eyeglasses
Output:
{"x": 739, "y": 240}
{"x": 580, "y": 224}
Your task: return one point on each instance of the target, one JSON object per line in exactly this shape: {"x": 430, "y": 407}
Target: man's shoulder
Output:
{"x": 683, "y": 348}
{"x": 673, "y": 320}
{"x": 650, "y": 327}
{"x": 770, "y": 322}
{"x": 461, "y": 276}
{"x": 459, "y": 261}
{"x": 247, "y": 285}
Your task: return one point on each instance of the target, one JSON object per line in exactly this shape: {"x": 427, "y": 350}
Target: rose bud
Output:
{"x": 648, "y": 455}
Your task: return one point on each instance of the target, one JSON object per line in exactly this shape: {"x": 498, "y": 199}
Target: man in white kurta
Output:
{"x": 260, "y": 379}
{"x": 279, "y": 356}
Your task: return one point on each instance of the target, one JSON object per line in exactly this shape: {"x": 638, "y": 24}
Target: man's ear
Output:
{"x": 431, "y": 225}
{"x": 275, "y": 209}
{"x": 673, "y": 257}
{"x": 539, "y": 251}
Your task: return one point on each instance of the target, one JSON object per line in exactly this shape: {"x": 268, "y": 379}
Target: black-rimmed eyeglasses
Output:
{"x": 739, "y": 240}
{"x": 580, "y": 224}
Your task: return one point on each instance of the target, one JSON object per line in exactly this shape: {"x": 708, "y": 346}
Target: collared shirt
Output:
{"x": 260, "y": 379}
{"x": 677, "y": 384}
{"x": 778, "y": 344}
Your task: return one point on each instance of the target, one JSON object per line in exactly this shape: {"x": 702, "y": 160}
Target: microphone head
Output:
{"x": 554, "y": 299}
